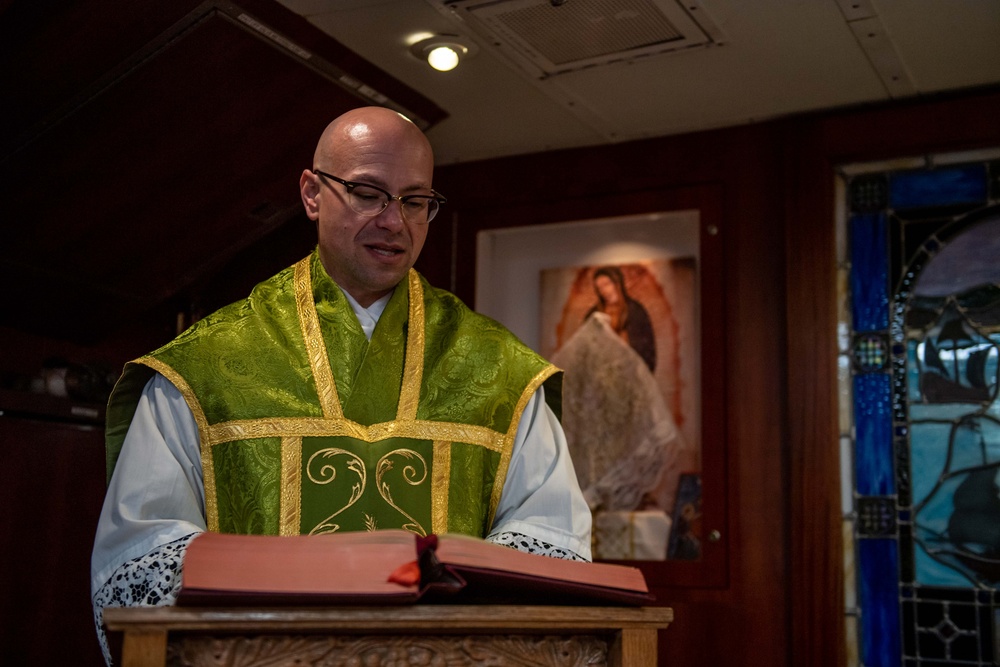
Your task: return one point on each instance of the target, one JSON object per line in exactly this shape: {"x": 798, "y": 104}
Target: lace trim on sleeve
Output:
{"x": 151, "y": 580}
{"x": 530, "y": 545}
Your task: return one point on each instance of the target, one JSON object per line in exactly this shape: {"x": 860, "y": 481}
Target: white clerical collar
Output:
{"x": 368, "y": 317}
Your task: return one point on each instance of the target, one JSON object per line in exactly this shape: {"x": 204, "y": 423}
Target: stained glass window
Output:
{"x": 919, "y": 339}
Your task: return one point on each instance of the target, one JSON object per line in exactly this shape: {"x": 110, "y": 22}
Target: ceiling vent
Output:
{"x": 552, "y": 37}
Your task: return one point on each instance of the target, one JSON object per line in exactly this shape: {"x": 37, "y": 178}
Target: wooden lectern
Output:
{"x": 421, "y": 634}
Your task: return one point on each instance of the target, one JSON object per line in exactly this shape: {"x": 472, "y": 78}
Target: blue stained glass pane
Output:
{"x": 878, "y": 589}
{"x": 938, "y": 187}
{"x": 869, "y": 273}
{"x": 873, "y": 435}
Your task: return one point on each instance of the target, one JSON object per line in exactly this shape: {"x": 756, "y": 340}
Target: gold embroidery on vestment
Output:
{"x": 508, "y": 439}
{"x": 207, "y": 467}
{"x": 305, "y": 427}
{"x": 291, "y": 486}
{"x": 321, "y": 469}
{"x": 440, "y": 485}
{"x": 319, "y": 362}
{"x": 413, "y": 365}
{"x": 411, "y": 475}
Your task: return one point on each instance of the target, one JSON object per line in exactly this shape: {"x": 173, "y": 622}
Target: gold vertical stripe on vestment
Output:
{"x": 205, "y": 443}
{"x": 291, "y": 486}
{"x": 440, "y": 486}
{"x": 508, "y": 439}
{"x": 413, "y": 366}
{"x": 319, "y": 362}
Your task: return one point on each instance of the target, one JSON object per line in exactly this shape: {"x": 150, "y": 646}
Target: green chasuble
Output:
{"x": 307, "y": 427}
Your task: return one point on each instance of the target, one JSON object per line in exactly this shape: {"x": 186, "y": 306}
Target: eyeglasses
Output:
{"x": 370, "y": 200}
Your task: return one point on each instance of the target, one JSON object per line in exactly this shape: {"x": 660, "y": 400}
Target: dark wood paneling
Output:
{"x": 51, "y": 51}
{"x": 815, "y": 546}
{"x": 145, "y": 147}
{"x": 51, "y": 491}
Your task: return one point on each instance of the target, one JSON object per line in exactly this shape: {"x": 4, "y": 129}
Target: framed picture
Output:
{"x": 615, "y": 303}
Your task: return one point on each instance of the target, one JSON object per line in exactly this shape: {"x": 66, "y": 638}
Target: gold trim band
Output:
{"x": 291, "y": 486}
{"x": 413, "y": 365}
{"x": 508, "y": 439}
{"x": 286, "y": 427}
{"x": 319, "y": 362}
{"x": 441, "y": 484}
{"x": 207, "y": 466}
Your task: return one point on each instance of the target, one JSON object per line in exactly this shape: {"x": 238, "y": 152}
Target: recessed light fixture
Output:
{"x": 443, "y": 52}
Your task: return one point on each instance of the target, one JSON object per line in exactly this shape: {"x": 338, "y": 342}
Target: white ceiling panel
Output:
{"x": 777, "y": 57}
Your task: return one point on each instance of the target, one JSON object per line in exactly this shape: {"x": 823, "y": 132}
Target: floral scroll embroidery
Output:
{"x": 326, "y": 465}
{"x": 322, "y": 470}
{"x": 411, "y": 476}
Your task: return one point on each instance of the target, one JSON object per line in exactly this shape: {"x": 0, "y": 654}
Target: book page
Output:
{"x": 346, "y": 563}
{"x": 461, "y": 550}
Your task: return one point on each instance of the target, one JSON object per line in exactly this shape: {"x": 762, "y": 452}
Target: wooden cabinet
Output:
{"x": 52, "y": 463}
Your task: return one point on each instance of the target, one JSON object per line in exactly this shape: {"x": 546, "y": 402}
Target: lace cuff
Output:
{"x": 530, "y": 545}
{"x": 151, "y": 580}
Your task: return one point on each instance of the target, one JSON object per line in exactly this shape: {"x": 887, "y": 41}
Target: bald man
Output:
{"x": 275, "y": 414}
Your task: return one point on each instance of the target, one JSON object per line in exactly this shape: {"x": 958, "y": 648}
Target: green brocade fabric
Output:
{"x": 308, "y": 427}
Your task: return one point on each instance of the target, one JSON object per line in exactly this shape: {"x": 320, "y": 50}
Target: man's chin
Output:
{"x": 384, "y": 279}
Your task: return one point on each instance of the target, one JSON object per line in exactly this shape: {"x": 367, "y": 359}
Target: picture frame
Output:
{"x": 526, "y": 274}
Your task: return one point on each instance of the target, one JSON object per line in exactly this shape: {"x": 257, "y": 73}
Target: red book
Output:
{"x": 392, "y": 567}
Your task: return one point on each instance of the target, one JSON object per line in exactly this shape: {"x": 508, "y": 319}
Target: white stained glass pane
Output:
{"x": 850, "y": 579}
{"x": 851, "y": 634}
{"x": 843, "y": 312}
{"x": 846, "y": 476}
{"x": 845, "y": 395}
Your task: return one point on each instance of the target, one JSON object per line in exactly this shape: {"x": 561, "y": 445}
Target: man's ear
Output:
{"x": 309, "y": 190}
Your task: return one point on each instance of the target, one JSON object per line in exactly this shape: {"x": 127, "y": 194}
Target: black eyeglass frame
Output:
{"x": 350, "y": 185}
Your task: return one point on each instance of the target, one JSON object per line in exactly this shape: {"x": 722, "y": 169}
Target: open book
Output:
{"x": 392, "y": 567}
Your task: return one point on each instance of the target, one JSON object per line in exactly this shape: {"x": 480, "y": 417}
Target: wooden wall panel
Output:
{"x": 815, "y": 545}
{"x": 51, "y": 492}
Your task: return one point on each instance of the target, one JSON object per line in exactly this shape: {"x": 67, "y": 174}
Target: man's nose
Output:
{"x": 391, "y": 216}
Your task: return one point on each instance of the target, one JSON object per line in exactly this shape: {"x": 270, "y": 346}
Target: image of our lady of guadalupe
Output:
{"x": 623, "y": 432}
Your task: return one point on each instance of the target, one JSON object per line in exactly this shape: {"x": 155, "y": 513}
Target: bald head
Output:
{"x": 361, "y": 128}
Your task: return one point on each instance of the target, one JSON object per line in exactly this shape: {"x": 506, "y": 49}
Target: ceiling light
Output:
{"x": 443, "y": 52}
{"x": 443, "y": 58}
